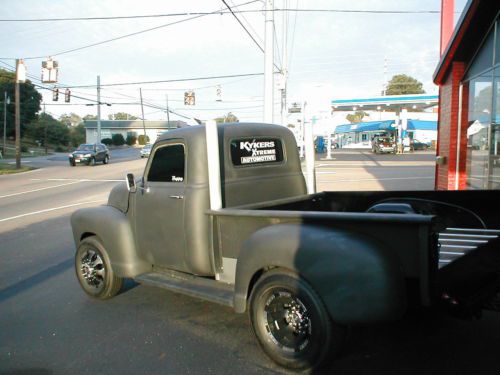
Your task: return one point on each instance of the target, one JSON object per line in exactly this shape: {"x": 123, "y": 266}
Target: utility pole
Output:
{"x": 284, "y": 68}
{"x": 310, "y": 157}
{"x": 18, "y": 115}
{"x": 45, "y": 132}
{"x": 98, "y": 109}
{"x": 384, "y": 86}
{"x": 168, "y": 113}
{"x": 5, "y": 98}
{"x": 142, "y": 110}
{"x": 269, "y": 63}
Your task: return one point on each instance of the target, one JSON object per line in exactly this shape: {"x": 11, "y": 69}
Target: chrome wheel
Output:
{"x": 93, "y": 270}
{"x": 287, "y": 321}
{"x": 291, "y": 322}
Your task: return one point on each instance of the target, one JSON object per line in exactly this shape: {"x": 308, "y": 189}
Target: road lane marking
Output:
{"x": 35, "y": 190}
{"x": 76, "y": 179}
{"x": 49, "y": 210}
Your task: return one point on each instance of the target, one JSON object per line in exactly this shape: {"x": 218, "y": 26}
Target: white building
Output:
{"x": 129, "y": 127}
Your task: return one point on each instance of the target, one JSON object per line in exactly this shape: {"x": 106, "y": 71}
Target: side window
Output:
{"x": 167, "y": 164}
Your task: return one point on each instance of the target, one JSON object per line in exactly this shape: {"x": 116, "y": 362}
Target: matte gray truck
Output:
{"x": 303, "y": 266}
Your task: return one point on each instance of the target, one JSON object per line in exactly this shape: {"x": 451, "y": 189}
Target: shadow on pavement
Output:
{"x": 34, "y": 280}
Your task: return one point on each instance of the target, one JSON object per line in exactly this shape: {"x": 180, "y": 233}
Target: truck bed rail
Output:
{"x": 456, "y": 242}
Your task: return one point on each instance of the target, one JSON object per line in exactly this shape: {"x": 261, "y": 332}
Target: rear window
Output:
{"x": 255, "y": 151}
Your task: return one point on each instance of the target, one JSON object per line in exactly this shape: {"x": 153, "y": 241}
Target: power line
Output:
{"x": 222, "y": 12}
{"x": 248, "y": 23}
{"x": 168, "y": 80}
{"x": 94, "y": 101}
{"x": 277, "y": 46}
{"x": 246, "y": 30}
{"x": 125, "y": 36}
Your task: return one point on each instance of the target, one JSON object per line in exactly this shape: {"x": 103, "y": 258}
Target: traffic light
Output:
{"x": 189, "y": 98}
{"x": 218, "y": 94}
{"x": 67, "y": 96}
{"x": 55, "y": 94}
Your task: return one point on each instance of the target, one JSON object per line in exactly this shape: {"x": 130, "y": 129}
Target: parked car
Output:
{"x": 146, "y": 150}
{"x": 417, "y": 145}
{"x": 383, "y": 144}
{"x": 89, "y": 154}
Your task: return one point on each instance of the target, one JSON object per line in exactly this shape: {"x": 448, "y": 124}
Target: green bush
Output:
{"x": 143, "y": 139}
{"x": 131, "y": 139}
{"x": 24, "y": 148}
{"x": 107, "y": 141}
{"x": 60, "y": 149}
{"x": 118, "y": 139}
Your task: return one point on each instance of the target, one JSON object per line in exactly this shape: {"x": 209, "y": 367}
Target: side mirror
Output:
{"x": 131, "y": 183}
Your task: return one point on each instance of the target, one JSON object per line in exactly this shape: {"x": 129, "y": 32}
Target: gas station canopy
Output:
{"x": 388, "y": 125}
{"x": 393, "y": 103}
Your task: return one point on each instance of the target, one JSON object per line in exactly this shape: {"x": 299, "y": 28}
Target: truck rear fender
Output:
{"x": 358, "y": 280}
{"x": 113, "y": 229}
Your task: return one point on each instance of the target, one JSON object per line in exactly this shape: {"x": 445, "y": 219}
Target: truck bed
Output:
{"x": 444, "y": 226}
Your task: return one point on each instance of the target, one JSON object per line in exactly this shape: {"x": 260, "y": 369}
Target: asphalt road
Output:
{"x": 49, "y": 326}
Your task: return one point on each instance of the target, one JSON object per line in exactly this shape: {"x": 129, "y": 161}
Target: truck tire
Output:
{"x": 94, "y": 271}
{"x": 106, "y": 160}
{"x": 291, "y": 322}
{"x": 92, "y": 162}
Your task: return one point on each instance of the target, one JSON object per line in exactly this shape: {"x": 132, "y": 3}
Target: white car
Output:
{"x": 146, "y": 150}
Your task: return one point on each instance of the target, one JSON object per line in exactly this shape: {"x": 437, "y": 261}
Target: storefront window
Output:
{"x": 483, "y": 131}
{"x": 480, "y": 101}
{"x": 494, "y": 162}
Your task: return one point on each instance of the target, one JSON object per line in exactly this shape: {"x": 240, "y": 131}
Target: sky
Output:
{"x": 330, "y": 55}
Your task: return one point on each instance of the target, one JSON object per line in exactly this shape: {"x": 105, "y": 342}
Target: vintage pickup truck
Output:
{"x": 228, "y": 220}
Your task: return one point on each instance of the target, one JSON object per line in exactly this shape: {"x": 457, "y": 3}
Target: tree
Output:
{"x": 89, "y": 117}
{"x": 47, "y": 130}
{"x": 227, "y": 118}
{"x": 71, "y": 119}
{"x": 356, "y": 116}
{"x": 401, "y": 84}
{"x": 77, "y": 135}
{"x": 121, "y": 116}
{"x": 30, "y": 100}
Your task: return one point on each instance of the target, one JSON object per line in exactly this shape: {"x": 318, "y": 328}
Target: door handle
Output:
{"x": 177, "y": 196}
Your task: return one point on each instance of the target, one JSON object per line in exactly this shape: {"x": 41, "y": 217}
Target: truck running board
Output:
{"x": 194, "y": 286}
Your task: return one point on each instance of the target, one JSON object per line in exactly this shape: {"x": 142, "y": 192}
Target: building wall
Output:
{"x": 446, "y": 173}
{"x": 91, "y": 134}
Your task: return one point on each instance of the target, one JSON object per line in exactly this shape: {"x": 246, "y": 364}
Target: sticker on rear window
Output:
{"x": 256, "y": 151}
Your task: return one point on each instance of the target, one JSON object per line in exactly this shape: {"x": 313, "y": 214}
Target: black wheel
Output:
{"x": 72, "y": 163}
{"x": 94, "y": 271}
{"x": 291, "y": 323}
{"x": 91, "y": 162}
{"x": 106, "y": 160}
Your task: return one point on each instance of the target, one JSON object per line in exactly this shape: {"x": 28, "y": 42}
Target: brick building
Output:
{"x": 469, "y": 110}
